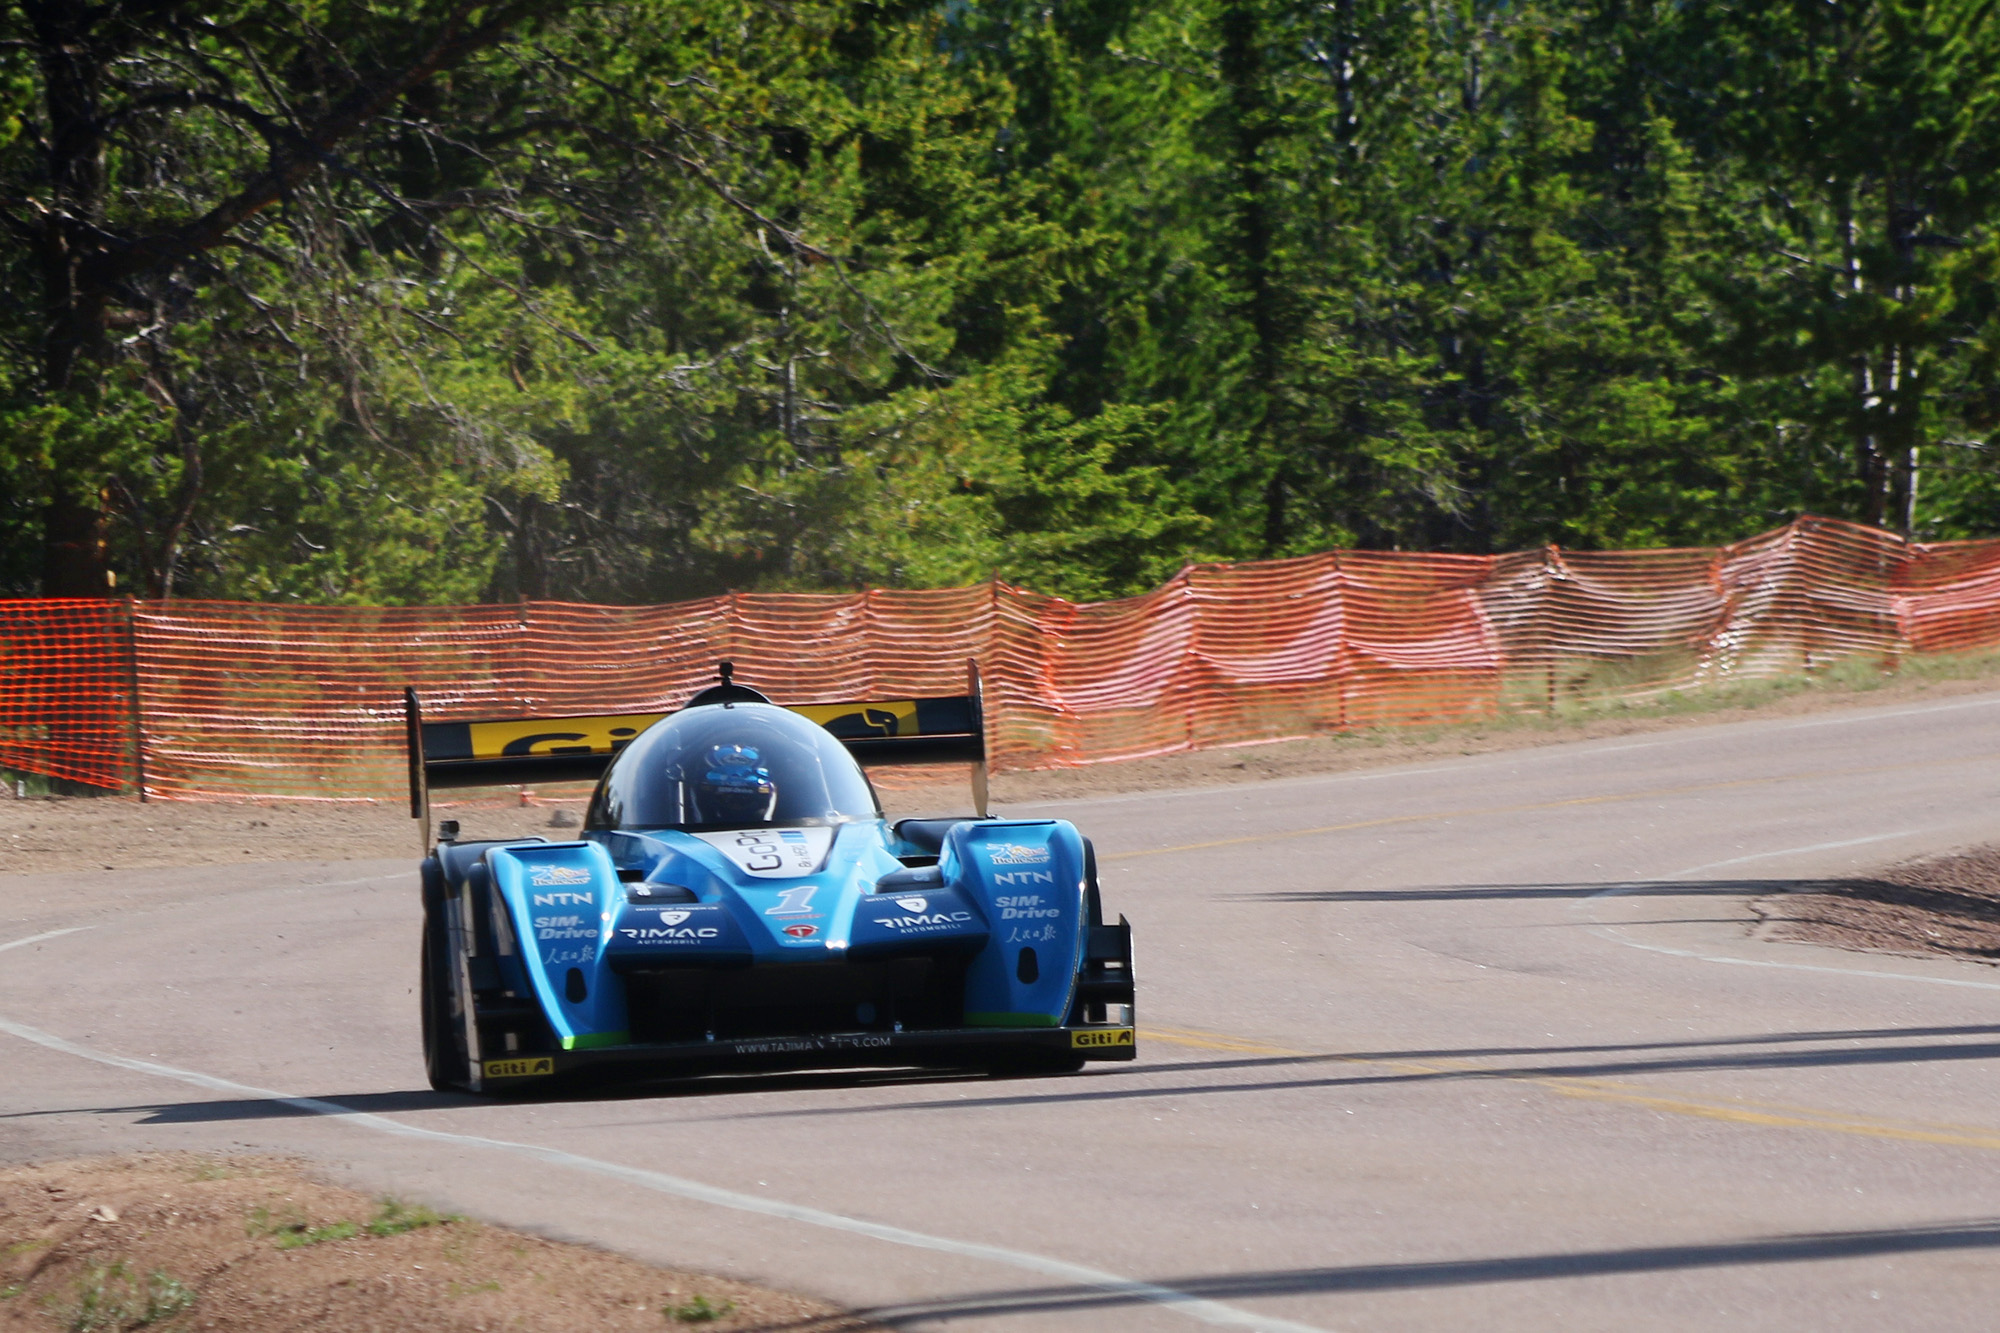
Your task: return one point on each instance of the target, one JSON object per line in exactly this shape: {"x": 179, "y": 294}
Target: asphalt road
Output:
{"x": 1480, "y": 1044}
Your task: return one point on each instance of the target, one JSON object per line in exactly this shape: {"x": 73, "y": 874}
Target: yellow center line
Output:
{"x": 1730, "y": 1110}
{"x": 1525, "y": 807}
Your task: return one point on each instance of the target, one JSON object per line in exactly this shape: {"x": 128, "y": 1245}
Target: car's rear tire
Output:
{"x": 444, "y": 1042}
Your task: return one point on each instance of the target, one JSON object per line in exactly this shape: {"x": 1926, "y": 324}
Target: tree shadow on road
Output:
{"x": 1446, "y": 893}
{"x": 1815, "y": 1247}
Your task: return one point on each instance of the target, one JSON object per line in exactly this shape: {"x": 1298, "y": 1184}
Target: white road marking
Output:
{"x": 1180, "y": 1302}
{"x": 1987, "y": 702}
{"x": 1795, "y": 851}
{"x": 37, "y": 939}
{"x": 343, "y": 883}
{"x": 1605, "y": 930}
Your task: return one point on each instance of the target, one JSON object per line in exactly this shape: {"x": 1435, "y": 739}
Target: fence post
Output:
{"x": 132, "y": 684}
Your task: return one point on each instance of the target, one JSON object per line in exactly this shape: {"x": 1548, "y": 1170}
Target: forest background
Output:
{"x": 395, "y": 301}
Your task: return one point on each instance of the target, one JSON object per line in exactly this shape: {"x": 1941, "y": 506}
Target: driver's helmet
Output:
{"x": 736, "y": 787}
{"x": 733, "y": 765}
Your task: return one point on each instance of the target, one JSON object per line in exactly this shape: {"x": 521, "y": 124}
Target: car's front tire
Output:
{"x": 444, "y": 1042}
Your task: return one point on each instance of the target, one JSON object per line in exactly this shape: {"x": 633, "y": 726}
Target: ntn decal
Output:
{"x": 564, "y": 900}
{"x": 1013, "y": 877}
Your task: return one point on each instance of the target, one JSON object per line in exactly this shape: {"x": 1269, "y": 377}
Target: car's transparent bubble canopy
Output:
{"x": 738, "y": 765}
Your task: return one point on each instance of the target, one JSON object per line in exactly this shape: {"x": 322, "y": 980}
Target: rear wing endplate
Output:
{"x": 510, "y": 752}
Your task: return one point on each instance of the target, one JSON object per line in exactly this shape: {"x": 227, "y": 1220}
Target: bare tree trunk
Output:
{"x": 1902, "y": 223}
{"x": 74, "y": 310}
{"x": 1870, "y": 464}
{"x": 1242, "y": 67}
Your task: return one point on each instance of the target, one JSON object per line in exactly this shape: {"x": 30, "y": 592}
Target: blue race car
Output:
{"x": 738, "y": 902}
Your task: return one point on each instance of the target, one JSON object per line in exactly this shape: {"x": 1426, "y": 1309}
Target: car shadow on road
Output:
{"x": 638, "y": 1090}
{"x": 1393, "y": 1068}
{"x": 1817, "y": 1247}
{"x": 1183, "y": 1078}
{"x": 1819, "y": 1048}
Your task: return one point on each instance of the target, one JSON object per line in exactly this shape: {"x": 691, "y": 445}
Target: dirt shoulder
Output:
{"x": 50, "y": 834}
{"x": 1944, "y": 906}
{"x": 254, "y": 1245}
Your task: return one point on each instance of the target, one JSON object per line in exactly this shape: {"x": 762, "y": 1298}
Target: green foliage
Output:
{"x": 297, "y": 1238}
{"x": 393, "y": 1217}
{"x": 699, "y": 1310}
{"x": 108, "y": 1296}
{"x": 645, "y": 301}
{"x": 293, "y": 1231}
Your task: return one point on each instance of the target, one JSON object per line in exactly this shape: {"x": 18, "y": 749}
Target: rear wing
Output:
{"x": 516, "y": 751}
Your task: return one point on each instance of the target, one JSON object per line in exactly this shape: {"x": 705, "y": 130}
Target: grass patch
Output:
{"x": 262, "y": 1222}
{"x": 1592, "y": 692}
{"x": 20, "y": 782}
{"x": 9, "y": 1293}
{"x": 473, "y": 1289}
{"x": 293, "y": 1231}
{"x": 297, "y": 1238}
{"x": 1860, "y": 674}
{"x": 394, "y": 1217}
{"x": 700, "y": 1310}
{"x": 108, "y": 1296}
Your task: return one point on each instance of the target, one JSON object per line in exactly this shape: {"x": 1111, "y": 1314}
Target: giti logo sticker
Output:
{"x": 558, "y": 735}
{"x": 540, "y": 1064}
{"x": 855, "y": 721}
{"x": 1102, "y": 1037}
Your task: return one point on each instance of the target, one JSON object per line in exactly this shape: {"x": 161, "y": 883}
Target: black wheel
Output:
{"x": 444, "y": 1035}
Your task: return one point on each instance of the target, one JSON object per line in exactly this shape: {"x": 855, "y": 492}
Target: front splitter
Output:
{"x": 955, "y": 1047}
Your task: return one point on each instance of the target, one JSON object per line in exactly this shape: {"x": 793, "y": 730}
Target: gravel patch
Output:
{"x": 255, "y": 1245}
{"x": 1946, "y": 905}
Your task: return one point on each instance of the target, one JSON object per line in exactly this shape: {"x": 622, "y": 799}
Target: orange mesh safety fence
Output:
{"x": 238, "y": 700}
{"x": 65, "y": 690}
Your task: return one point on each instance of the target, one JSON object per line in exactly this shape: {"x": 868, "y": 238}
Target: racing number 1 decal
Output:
{"x": 793, "y": 902}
